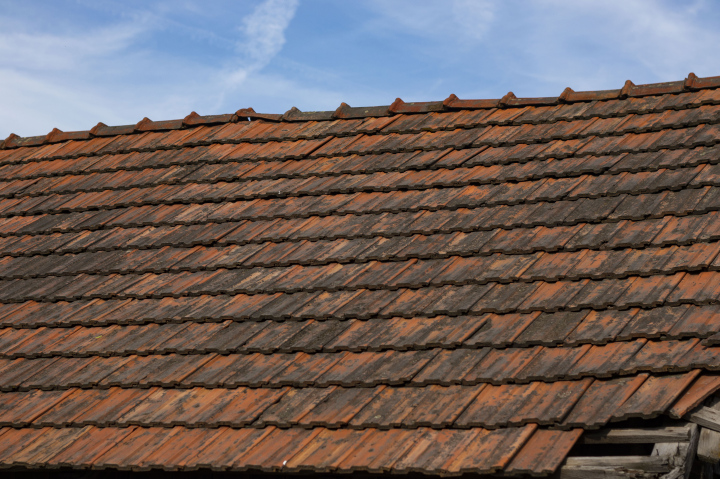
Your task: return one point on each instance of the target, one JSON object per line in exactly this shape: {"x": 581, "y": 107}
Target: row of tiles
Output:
{"x": 491, "y": 297}
{"x": 352, "y": 193}
{"x": 587, "y": 403}
{"x": 573, "y": 242}
{"x": 203, "y": 164}
{"x": 643, "y": 292}
{"x": 310, "y": 336}
{"x": 365, "y": 369}
{"x": 233, "y": 162}
{"x": 409, "y": 212}
{"x": 687, "y": 138}
{"x": 163, "y": 186}
{"x": 264, "y": 131}
{"x": 273, "y": 246}
{"x": 236, "y": 265}
{"x": 450, "y": 452}
{"x": 220, "y": 162}
{"x": 214, "y": 271}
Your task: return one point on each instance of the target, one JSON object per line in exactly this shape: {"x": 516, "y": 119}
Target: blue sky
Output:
{"x": 70, "y": 64}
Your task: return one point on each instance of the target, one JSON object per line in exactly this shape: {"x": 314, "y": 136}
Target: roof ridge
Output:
{"x": 345, "y": 111}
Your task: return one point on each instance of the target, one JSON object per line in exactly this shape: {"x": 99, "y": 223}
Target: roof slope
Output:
{"x": 447, "y": 287}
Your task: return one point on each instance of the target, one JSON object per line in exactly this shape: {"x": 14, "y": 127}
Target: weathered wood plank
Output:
{"x": 638, "y": 436}
{"x": 709, "y": 446}
{"x": 680, "y": 455}
{"x": 691, "y": 451}
{"x": 706, "y": 417}
{"x": 638, "y": 463}
{"x": 596, "y": 472}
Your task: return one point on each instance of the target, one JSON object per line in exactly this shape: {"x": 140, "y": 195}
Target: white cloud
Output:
{"x": 263, "y": 38}
{"x": 451, "y": 21}
{"x": 25, "y": 50}
{"x": 75, "y": 77}
{"x": 264, "y": 30}
{"x": 537, "y": 48}
{"x": 598, "y": 45}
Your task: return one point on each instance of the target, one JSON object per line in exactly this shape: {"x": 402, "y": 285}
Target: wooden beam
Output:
{"x": 680, "y": 455}
{"x": 709, "y": 446}
{"x": 651, "y": 435}
{"x": 638, "y": 463}
{"x": 598, "y": 472}
{"x": 672, "y": 456}
{"x": 706, "y": 417}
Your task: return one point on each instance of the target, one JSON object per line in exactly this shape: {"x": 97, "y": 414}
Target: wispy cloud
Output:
{"x": 27, "y": 50}
{"x": 263, "y": 34}
{"x": 264, "y": 30}
{"x": 453, "y": 21}
{"x": 116, "y": 73}
{"x": 537, "y": 48}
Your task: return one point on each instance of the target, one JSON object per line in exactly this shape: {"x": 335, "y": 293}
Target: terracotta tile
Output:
{"x": 177, "y": 450}
{"x": 552, "y": 296}
{"x": 433, "y": 450}
{"x": 544, "y": 452}
{"x": 552, "y": 363}
{"x": 391, "y": 367}
{"x": 256, "y": 369}
{"x": 652, "y": 323}
{"x": 604, "y": 361}
{"x": 695, "y": 257}
{"x": 293, "y": 405}
{"x": 550, "y": 328}
{"x": 700, "y": 389}
{"x": 45, "y": 447}
{"x": 306, "y": 368}
{"x": 660, "y": 356}
{"x": 340, "y": 406}
{"x": 504, "y": 298}
{"x": 389, "y": 407}
{"x": 696, "y": 288}
{"x": 379, "y": 451}
{"x": 655, "y": 396}
{"x": 20, "y": 370}
{"x": 636, "y": 234}
{"x": 507, "y": 404}
{"x": 652, "y": 291}
{"x": 493, "y": 453}
{"x": 599, "y": 327}
{"x": 500, "y": 365}
{"x": 601, "y": 401}
{"x": 450, "y": 366}
{"x": 89, "y": 447}
{"x": 442, "y": 405}
{"x": 326, "y": 450}
{"x": 417, "y": 333}
{"x": 23, "y": 408}
{"x": 134, "y": 447}
{"x": 93, "y": 407}
{"x": 221, "y": 452}
{"x": 13, "y": 441}
{"x": 501, "y": 330}
{"x": 698, "y": 321}
{"x": 276, "y": 449}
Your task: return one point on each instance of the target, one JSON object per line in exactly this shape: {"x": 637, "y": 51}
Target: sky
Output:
{"x": 72, "y": 64}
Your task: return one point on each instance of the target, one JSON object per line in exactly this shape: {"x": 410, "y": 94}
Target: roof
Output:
{"x": 442, "y": 287}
